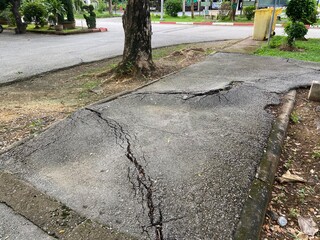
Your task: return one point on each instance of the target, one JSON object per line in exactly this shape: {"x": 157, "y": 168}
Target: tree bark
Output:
{"x": 137, "y": 53}
{"x": 110, "y": 6}
{"x": 192, "y": 9}
{"x": 21, "y": 27}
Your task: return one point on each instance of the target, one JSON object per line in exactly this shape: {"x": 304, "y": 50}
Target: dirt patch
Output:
{"x": 30, "y": 106}
{"x": 301, "y": 156}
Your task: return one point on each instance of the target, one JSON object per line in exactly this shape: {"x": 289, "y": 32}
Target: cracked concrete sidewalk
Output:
{"x": 173, "y": 160}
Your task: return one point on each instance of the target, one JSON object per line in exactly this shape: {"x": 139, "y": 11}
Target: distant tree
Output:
{"x": 56, "y": 9}
{"x": 192, "y": 9}
{"x": 172, "y": 7}
{"x": 68, "y": 6}
{"x": 34, "y": 12}
{"x": 110, "y": 6}
{"x": 21, "y": 27}
{"x": 137, "y": 53}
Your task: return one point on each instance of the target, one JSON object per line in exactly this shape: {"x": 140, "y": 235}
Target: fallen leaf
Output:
{"x": 302, "y": 236}
{"x": 307, "y": 225}
{"x": 288, "y": 177}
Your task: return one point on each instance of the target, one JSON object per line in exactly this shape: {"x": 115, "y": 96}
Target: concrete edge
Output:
{"x": 50, "y": 215}
{"x": 254, "y": 209}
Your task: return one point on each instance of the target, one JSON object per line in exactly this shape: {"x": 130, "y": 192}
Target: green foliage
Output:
{"x": 295, "y": 30}
{"x": 3, "y": 4}
{"x": 293, "y": 213}
{"x": 316, "y": 154}
{"x": 8, "y": 15}
{"x": 56, "y": 8}
{"x": 172, "y": 7}
{"x": 309, "y": 49}
{"x": 294, "y": 117}
{"x": 249, "y": 12}
{"x": 101, "y": 6}
{"x": 225, "y": 10}
{"x": 302, "y": 11}
{"x": 68, "y": 6}
{"x": 34, "y": 12}
{"x": 276, "y": 41}
{"x": 91, "y": 18}
{"x": 78, "y": 4}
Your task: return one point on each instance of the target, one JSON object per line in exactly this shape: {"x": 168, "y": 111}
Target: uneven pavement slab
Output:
{"x": 173, "y": 160}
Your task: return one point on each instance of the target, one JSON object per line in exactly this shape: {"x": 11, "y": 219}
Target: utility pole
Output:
{"x": 272, "y": 20}
{"x": 183, "y": 7}
{"x": 161, "y": 16}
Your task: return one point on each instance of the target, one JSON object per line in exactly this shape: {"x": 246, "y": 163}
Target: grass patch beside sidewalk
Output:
{"x": 307, "y": 50}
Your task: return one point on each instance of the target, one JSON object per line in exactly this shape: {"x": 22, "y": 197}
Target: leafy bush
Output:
{"x": 302, "y": 11}
{"x": 34, "y": 12}
{"x": 295, "y": 30}
{"x": 172, "y": 7}
{"x": 8, "y": 15}
{"x": 249, "y": 12}
{"x": 276, "y": 42}
{"x": 225, "y": 10}
{"x": 55, "y": 8}
{"x": 102, "y": 6}
{"x": 68, "y": 6}
{"x": 3, "y": 4}
{"x": 91, "y": 18}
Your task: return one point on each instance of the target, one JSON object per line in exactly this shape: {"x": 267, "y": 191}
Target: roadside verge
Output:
{"x": 255, "y": 207}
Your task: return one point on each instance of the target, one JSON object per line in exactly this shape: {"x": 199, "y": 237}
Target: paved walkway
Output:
{"x": 173, "y": 160}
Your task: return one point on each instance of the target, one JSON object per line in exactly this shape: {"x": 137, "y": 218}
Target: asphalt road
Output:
{"x": 26, "y": 55}
{"x": 176, "y": 157}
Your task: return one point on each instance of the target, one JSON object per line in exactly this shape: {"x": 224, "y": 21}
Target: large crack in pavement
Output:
{"x": 142, "y": 183}
{"x": 187, "y": 95}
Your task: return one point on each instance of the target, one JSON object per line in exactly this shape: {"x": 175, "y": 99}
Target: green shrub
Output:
{"x": 302, "y": 11}
{"x": 172, "y": 7}
{"x": 68, "y": 6}
{"x": 102, "y": 6}
{"x": 91, "y": 18}
{"x": 3, "y": 4}
{"x": 295, "y": 30}
{"x": 249, "y": 12}
{"x": 276, "y": 42}
{"x": 8, "y": 15}
{"x": 34, "y": 12}
{"x": 225, "y": 10}
{"x": 56, "y": 8}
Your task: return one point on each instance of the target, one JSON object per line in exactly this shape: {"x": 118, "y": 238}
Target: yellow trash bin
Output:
{"x": 276, "y": 14}
{"x": 262, "y": 19}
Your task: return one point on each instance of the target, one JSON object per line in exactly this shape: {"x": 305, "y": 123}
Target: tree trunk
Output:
{"x": 110, "y": 6}
{"x": 21, "y": 27}
{"x": 137, "y": 53}
{"x": 192, "y": 9}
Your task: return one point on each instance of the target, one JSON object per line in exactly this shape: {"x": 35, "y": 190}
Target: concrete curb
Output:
{"x": 80, "y": 31}
{"x": 50, "y": 215}
{"x": 254, "y": 209}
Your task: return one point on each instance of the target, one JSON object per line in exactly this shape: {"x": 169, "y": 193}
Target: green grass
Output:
{"x": 197, "y": 18}
{"x": 98, "y": 15}
{"x": 309, "y": 50}
{"x": 31, "y": 28}
{"x": 164, "y": 51}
